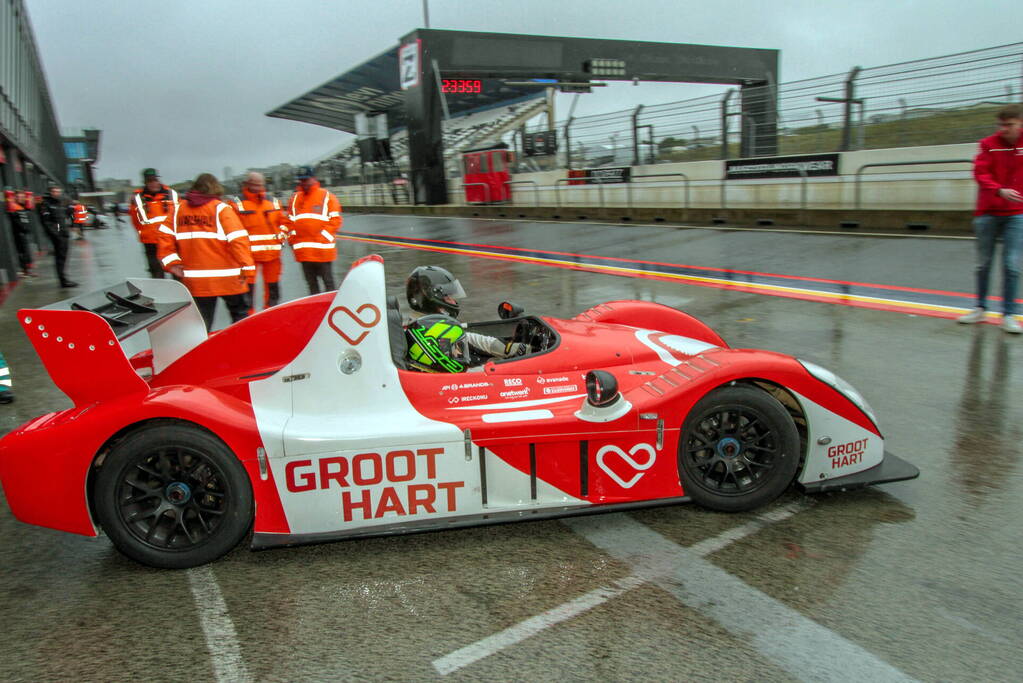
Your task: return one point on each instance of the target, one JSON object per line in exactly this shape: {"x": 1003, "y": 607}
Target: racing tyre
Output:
{"x": 739, "y": 449}
{"x": 173, "y": 497}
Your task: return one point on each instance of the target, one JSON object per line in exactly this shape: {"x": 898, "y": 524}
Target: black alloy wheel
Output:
{"x": 173, "y": 496}
{"x": 739, "y": 449}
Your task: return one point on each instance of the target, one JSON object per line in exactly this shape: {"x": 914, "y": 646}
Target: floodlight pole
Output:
{"x": 426, "y": 13}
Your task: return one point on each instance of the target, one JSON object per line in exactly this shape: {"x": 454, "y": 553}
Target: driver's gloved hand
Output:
{"x": 513, "y": 349}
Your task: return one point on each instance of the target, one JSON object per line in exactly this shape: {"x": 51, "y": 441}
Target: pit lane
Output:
{"x": 916, "y": 579}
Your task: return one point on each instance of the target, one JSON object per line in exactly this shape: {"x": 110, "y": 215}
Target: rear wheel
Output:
{"x": 739, "y": 449}
{"x": 173, "y": 497}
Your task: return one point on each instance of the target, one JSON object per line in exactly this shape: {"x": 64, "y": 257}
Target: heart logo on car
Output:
{"x": 367, "y": 321}
{"x": 627, "y": 457}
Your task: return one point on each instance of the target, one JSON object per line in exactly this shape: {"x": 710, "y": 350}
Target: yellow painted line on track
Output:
{"x": 837, "y": 297}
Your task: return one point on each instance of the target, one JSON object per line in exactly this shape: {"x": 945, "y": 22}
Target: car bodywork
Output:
{"x": 339, "y": 440}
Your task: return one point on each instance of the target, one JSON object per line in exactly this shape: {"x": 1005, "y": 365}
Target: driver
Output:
{"x": 434, "y": 292}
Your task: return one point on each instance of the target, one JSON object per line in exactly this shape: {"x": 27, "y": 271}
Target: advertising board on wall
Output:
{"x": 603, "y": 176}
{"x": 782, "y": 167}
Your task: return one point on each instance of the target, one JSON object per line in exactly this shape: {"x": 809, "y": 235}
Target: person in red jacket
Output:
{"x": 21, "y": 229}
{"x": 206, "y": 247}
{"x": 314, "y": 217}
{"x": 262, "y": 218}
{"x": 998, "y": 170}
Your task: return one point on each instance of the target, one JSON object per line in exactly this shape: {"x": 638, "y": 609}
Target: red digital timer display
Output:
{"x": 460, "y": 85}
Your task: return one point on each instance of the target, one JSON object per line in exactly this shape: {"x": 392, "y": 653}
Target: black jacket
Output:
{"x": 55, "y": 215}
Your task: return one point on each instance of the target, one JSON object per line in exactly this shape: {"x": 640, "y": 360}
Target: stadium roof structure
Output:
{"x": 374, "y": 87}
{"x": 417, "y": 82}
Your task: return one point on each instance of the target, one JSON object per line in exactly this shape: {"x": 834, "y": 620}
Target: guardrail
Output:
{"x": 536, "y": 188}
{"x": 557, "y": 190}
{"x": 802, "y": 190}
{"x": 859, "y": 171}
{"x": 685, "y": 178}
{"x": 486, "y": 190}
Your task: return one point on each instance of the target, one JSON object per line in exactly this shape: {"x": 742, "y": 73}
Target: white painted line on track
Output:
{"x": 217, "y": 627}
{"x": 532, "y": 626}
{"x": 686, "y": 226}
{"x": 801, "y": 646}
{"x": 655, "y": 572}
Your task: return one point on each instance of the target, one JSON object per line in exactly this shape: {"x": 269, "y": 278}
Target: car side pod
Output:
{"x": 604, "y": 403}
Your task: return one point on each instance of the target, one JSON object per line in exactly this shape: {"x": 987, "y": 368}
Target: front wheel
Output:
{"x": 739, "y": 449}
{"x": 173, "y": 497}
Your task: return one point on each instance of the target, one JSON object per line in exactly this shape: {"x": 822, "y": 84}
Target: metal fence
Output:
{"x": 940, "y": 100}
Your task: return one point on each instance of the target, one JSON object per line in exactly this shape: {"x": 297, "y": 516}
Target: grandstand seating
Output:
{"x": 460, "y": 133}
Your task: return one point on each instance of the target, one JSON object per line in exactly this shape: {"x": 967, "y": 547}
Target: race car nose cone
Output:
{"x": 178, "y": 493}
{"x": 729, "y": 447}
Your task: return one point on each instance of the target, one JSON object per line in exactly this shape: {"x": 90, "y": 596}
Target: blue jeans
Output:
{"x": 988, "y": 229}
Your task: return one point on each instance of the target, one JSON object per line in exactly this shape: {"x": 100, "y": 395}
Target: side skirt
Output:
{"x": 263, "y": 541}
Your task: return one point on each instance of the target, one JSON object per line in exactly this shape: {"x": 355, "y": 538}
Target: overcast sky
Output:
{"x": 184, "y": 85}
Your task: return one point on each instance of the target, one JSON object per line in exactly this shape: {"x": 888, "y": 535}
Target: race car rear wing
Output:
{"x": 85, "y": 341}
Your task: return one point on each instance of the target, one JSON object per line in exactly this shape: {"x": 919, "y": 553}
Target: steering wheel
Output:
{"x": 533, "y": 334}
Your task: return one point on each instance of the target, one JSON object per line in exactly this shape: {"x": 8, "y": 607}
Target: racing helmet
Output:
{"x": 437, "y": 343}
{"x": 432, "y": 289}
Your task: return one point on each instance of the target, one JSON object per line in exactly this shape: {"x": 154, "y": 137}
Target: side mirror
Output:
{"x": 507, "y": 309}
{"x": 601, "y": 388}
{"x": 604, "y": 403}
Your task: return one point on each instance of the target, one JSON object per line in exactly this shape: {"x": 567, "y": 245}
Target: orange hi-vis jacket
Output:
{"x": 208, "y": 240}
{"x": 314, "y": 217}
{"x": 263, "y": 219}
{"x": 150, "y": 210}
{"x": 80, "y": 214}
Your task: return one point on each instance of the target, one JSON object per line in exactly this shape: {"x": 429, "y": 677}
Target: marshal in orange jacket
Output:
{"x": 207, "y": 239}
{"x": 263, "y": 219}
{"x": 314, "y": 217}
{"x": 150, "y": 209}
{"x": 80, "y": 215}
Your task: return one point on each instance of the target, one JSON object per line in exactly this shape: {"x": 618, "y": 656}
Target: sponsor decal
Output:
{"x": 551, "y": 380}
{"x": 472, "y": 384}
{"x": 513, "y": 382}
{"x": 365, "y": 316}
{"x": 355, "y": 474}
{"x": 561, "y": 389}
{"x": 518, "y": 393}
{"x": 454, "y": 400}
{"x": 639, "y": 467}
{"x": 847, "y": 454}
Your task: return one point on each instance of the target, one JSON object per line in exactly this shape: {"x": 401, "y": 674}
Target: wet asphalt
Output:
{"x": 913, "y": 580}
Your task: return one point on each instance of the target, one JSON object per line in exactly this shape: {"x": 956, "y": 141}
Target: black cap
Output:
{"x": 303, "y": 172}
{"x": 150, "y": 173}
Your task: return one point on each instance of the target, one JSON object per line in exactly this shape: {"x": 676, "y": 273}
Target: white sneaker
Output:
{"x": 1011, "y": 325}
{"x": 975, "y": 316}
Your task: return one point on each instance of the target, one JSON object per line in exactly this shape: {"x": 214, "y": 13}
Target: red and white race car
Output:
{"x": 302, "y": 423}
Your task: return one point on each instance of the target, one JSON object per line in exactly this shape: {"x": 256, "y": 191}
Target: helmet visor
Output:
{"x": 451, "y": 289}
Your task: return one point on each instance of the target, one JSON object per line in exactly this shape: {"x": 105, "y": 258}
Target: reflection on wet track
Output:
{"x": 918, "y": 579}
{"x": 863, "y": 295}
